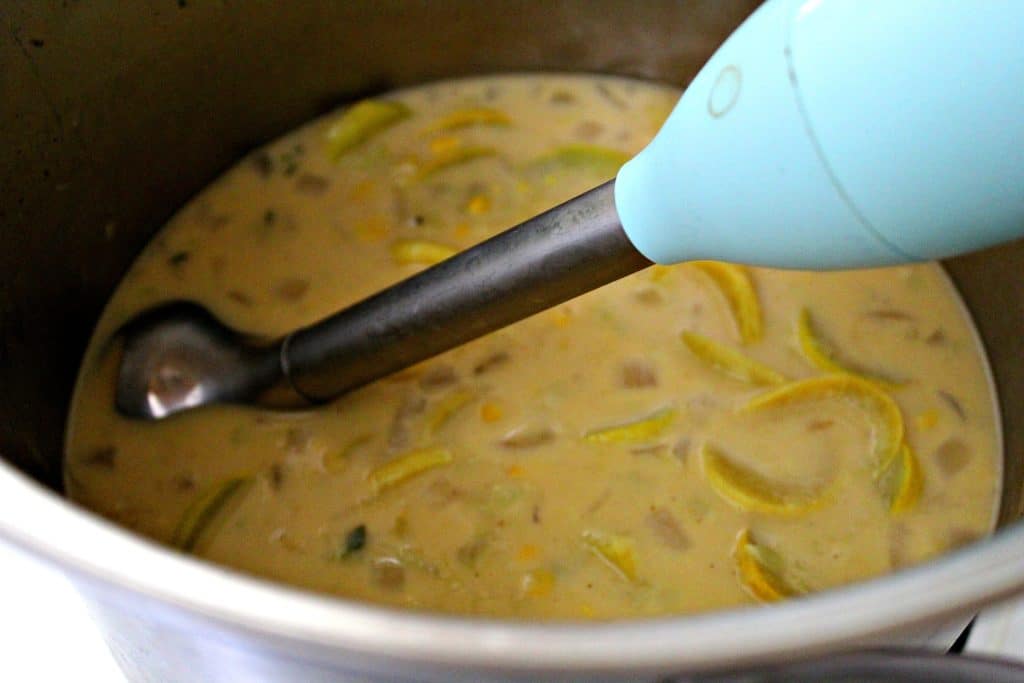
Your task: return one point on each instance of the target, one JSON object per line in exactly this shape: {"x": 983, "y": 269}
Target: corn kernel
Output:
{"x": 527, "y": 552}
{"x": 478, "y": 204}
{"x": 515, "y": 470}
{"x": 490, "y": 412}
{"x": 927, "y": 420}
{"x": 373, "y": 229}
{"x": 538, "y": 583}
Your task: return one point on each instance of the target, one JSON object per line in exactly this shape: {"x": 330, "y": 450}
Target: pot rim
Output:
{"x": 49, "y": 526}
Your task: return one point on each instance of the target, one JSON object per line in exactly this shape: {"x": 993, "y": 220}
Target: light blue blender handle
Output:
{"x": 840, "y": 134}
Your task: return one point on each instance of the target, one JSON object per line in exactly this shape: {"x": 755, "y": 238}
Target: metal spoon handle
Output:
{"x": 567, "y": 251}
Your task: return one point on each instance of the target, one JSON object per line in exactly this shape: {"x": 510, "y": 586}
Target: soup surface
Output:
{"x": 689, "y": 438}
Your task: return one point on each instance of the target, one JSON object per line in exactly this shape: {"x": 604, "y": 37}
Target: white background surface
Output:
{"x": 999, "y": 632}
{"x": 45, "y": 631}
{"x": 47, "y": 634}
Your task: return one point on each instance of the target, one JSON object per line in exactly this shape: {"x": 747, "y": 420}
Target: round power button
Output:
{"x": 725, "y": 91}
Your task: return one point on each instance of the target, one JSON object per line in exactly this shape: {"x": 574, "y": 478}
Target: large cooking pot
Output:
{"x": 114, "y": 113}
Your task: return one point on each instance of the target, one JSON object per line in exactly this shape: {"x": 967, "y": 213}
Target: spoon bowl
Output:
{"x": 179, "y": 356}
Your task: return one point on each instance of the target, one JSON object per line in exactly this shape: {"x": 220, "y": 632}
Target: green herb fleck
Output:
{"x": 354, "y": 542}
{"x": 290, "y": 160}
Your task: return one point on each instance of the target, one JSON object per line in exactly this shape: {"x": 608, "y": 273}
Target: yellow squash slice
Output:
{"x": 901, "y": 481}
{"x": 820, "y": 353}
{"x": 336, "y": 461}
{"x": 759, "y": 570}
{"x": 658, "y": 272}
{"x": 731, "y": 362}
{"x": 750, "y": 491}
{"x": 897, "y": 471}
{"x": 881, "y": 411}
{"x": 473, "y": 116}
{"x": 420, "y": 252}
{"x": 736, "y": 285}
{"x": 446, "y": 409}
{"x": 604, "y": 162}
{"x": 205, "y": 509}
{"x": 641, "y": 430}
{"x": 362, "y": 121}
{"x": 616, "y": 551}
{"x": 451, "y": 158}
{"x": 407, "y": 466}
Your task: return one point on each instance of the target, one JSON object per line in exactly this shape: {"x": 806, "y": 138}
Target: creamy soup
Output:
{"x": 689, "y": 438}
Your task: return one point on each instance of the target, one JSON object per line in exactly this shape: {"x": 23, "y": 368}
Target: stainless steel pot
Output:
{"x": 113, "y": 114}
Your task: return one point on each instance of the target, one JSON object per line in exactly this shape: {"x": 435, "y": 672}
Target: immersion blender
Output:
{"x": 823, "y": 134}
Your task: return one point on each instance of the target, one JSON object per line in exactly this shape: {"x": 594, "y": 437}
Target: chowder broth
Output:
{"x": 689, "y": 438}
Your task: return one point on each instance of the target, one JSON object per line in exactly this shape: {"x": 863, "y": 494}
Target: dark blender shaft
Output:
{"x": 567, "y": 251}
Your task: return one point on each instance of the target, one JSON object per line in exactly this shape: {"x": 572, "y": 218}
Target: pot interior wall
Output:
{"x": 114, "y": 114}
